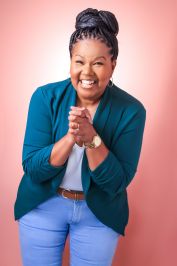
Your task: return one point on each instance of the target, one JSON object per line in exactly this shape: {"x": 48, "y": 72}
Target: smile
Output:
{"x": 87, "y": 84}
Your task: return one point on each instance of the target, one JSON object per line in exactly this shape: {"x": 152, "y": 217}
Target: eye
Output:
{"x": 79, "y": 62}
{"x": 98, "y": 63}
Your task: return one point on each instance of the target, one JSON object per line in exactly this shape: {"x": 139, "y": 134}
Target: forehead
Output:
{"x": 90, "y": 48}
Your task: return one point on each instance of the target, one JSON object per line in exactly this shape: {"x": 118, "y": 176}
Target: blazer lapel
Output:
{"x": 69, "y": 99}
{"x": 102, "y": 112}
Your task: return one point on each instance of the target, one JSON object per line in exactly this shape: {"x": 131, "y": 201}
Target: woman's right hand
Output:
{"x": 84, "y": 113}
{"x": 73, "y": 138}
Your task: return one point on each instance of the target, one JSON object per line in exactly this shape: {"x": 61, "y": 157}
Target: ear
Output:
{"x": 114, "y": 62}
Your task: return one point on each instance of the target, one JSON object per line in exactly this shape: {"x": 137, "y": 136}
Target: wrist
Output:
{"x": 95, "y": 143}
{"x": 70, "y": 139}
{"x": 94, "y": 133}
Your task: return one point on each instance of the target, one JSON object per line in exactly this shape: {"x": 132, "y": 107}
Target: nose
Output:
{"x": 87, "y": 70}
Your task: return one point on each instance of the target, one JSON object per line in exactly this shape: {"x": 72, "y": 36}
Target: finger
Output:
{"x": 77, "y": 107}
{"x": 77, "y": 119}
{"x": 88, "y": 115}
{"x": 76, "y": 131}
{"x": 73, "y": 131}
{"x": 81, "y": 108}
{"x": 79, "y": 139}
{"x": 77, "y": 112}
{"x": 73, "y": 125}
{"x": 84, "y": 112}
{"x": 73, "y": 118}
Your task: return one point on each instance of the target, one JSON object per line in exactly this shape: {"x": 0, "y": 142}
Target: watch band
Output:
{"x": 96, "y": 142}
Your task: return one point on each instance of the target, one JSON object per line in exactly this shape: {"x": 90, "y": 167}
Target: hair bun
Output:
{"x": 92, "y": 18}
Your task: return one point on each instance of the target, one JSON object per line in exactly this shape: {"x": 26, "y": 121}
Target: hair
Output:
{"x": 101, "y": 25}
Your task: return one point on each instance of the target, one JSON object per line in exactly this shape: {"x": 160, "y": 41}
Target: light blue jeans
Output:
{"x": 43, "y": 232}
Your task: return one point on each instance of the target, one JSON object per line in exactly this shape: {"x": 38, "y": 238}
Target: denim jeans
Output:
{"x": 43, "y": 232}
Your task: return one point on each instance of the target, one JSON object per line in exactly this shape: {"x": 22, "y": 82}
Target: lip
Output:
{"x": 87, "y": 86}
{"x": 95, "y": 81}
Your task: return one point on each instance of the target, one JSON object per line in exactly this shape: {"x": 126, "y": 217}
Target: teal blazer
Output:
{"x": 119, "y": 120}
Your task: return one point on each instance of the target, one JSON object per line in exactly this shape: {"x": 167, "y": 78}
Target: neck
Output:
{"x": 87, "y": 103}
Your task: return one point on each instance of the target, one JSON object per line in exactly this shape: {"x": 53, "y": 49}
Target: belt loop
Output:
{"x": 75, "y": 196}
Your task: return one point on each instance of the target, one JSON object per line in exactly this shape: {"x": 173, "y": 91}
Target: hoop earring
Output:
{"x": 110, "y": 85}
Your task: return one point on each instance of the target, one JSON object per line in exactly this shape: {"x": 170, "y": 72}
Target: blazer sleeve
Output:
{"x": 117, "y": 170}
{"x": 38, "y": 144}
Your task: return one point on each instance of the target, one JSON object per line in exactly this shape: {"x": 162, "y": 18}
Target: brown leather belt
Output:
{"x": 71, "y": 194}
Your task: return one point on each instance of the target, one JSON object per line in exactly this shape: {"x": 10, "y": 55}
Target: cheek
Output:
{"x": 104, "y": 78}
{"x": 74, "y": 72}
{"x": 104, "y": 74}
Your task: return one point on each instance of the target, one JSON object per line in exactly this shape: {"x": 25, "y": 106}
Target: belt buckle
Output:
{"x": 64, "y": 191}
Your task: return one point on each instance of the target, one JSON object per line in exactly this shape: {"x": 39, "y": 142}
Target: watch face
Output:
{"x": 95, "y": 143}
{"x": 97, "y": 140}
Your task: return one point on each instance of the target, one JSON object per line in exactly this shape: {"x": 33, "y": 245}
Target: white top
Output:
{"x": 72, "y": 177}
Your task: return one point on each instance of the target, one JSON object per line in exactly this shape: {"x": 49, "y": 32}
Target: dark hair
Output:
{"x": 103, "y": 25}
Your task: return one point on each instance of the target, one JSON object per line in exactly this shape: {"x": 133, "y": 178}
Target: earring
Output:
{"x": 110, "y": 85}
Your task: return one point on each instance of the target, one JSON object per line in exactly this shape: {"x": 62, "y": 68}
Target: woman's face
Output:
{"x": 91, "y": 69}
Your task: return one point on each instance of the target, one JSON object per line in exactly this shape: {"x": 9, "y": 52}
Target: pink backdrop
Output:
{"x": 34, "y": 46}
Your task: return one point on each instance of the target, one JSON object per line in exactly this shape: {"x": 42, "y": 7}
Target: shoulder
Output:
{"x": 49, "y": 93}
{"x": 126, "y": 102}
{"x": 128, "y": 112}
{"x": 53, "y": 89}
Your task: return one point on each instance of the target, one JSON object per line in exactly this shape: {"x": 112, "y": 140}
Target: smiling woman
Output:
{"x": 81, "y": 150}
{"x": 91, "y": 69}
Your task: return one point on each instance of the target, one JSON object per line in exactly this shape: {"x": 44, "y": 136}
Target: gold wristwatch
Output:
{"x": 96, "y": 142}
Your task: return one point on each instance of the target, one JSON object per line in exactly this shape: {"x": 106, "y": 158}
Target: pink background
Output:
{"x": 34, "y": 51}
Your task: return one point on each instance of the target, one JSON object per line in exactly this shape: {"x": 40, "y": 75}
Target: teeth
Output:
{"x": 84, "y": 81}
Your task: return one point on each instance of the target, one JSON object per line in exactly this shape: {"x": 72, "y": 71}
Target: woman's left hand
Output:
{"x": 80, "y": 124}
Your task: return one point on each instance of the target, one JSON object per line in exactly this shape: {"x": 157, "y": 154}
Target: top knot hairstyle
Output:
{"x": 102, "y": 25}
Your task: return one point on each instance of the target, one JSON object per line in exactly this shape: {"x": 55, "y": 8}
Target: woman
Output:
{"x": 81, "y": 149}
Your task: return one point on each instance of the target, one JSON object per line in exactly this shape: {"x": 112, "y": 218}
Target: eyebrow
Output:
{"x": 95, "y": 57}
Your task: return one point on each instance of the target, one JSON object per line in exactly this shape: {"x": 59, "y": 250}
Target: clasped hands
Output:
{"x": 80, "y": 125}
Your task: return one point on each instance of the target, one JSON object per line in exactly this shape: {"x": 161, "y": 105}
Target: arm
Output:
{"x": 61, "y": 150}
{"x": 116, "y": 170}
{"x": 96, "y": 156}
{"x": 38, "y": 146}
